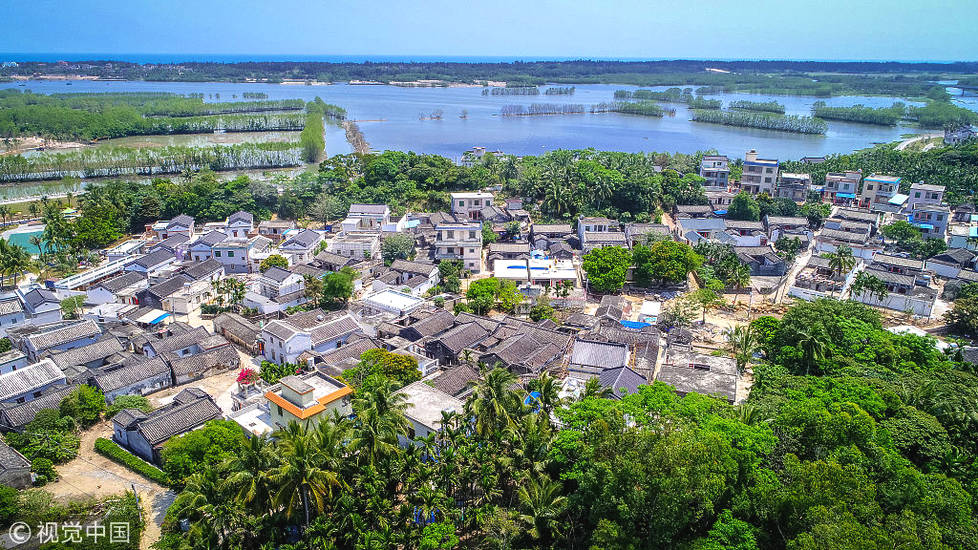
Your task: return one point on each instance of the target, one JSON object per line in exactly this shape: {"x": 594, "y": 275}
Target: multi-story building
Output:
{"x": 367, "y": 217}
{"x": 925, "y": 193}
{"x": 356, "y": 246}
{"x": 794, "y": 186}
{"x": 237, "y": 255}
{"x": 470, "y": 205}
{"x": 301, "y": 247}
{"x": 759, "y": 175}
{"x": 274, "y": 230}
{"x": 931, "y": 219}
{"x": 878, "y": 188}
{"x": 239, "y": 225}
{"x": 460, "y": 241}
{"x": 716, "y": 170}
{"x": 307, "y": 399}
{"x": 841, "y": 187}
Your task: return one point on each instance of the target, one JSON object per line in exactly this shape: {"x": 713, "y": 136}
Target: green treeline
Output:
{"x": 123, "y": 161}
{"x": 883, "y": 116}
{"x": 644, "y": 108}
{"x": 515, "y": 90}
{"x": 803, "y": 125}
{"x": 312, "y": 139}
{"x": 196, "y": 107}
{"x": 941, "y": 114}
{"x": 569, "y": 90}
{"x": 90, "y": 116}
{"x": 762, "y": 106}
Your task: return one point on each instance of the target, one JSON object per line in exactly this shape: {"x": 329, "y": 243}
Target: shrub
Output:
{"x": 9, "y": 504}
{"x": 44, "y": 470}
{"x": 115, "y": 453}
{"x": 85, "y": 405}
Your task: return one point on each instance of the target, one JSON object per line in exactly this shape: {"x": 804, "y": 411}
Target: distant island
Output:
{"x": 816, "y": 78}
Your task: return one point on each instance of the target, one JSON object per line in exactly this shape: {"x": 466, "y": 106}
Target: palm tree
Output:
{"x": 492, "y": 403}
{"x": 248, "y": 474}
{"x": 36, "y": 241}
{"x": 593, "y": 388}
{"x": 549, "y": 390}
{"x": 34, "y": 209}
{"x": 380, "y": 419}
{"x": 4, "y": 213}
{"x": 841, "y": 261}
{"x": 739, "y": 279}
{"x": 742, "y": 342}
{"x": 301, "y": 480}
{"x": 749, "y": 414}
{"x": 556, "y": 199}
{"x": 542, "y": 505}
{"x": 813, "y": 346}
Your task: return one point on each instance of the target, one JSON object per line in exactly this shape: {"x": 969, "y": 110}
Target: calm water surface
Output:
{"x": 390, "y": 119}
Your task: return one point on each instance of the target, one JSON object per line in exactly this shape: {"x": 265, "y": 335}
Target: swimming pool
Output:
{"x": 23, "y": 239}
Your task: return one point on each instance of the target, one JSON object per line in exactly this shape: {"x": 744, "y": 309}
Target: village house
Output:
{"x": 925, "y": 193}
{"x": 862, "y": 244}
{"x": 818, "y": 280}
{"x": 137, "y": 376}
{"x": 15, "y": 469}
{"x": 14, "y": 416}
{"x": 12, "y": 360}
{"x": 950, "y": 262}
{"x": 720, "y": 201}
{"x": 307, "y": 399}
{"x": 878, "y": 189}
{"x": 759, "y": 175}
{"x": 145, "y": 433}
{"x": 356, "y": 246}
{"x": 153, "y": 263}
{"x": 641, "y": 233}
{"x": 30, "y": 382}
{"x": 301, "y": 247}
{"x": 60, "y": 337}
{"x": 716, "y": 170}
{"x": 425, "y": 408}
{"x": 285, "y": 339}
{"x": 273, "y": 230}
{"x": 907, "y": 288}
{"x": 11, "y": 314}
{"x": 239, "y": 225}
{"x": 693, "y": 211}
{"x": 460, "y": 241}
{"x": 794, "y": 186}
{"x": 790, "y": 225}
{"x": 931, "y": 219}
{"x": 367, "y": 217}
{"x": 121, "y": 289}
{"x": 692, "y": 372}
{"x": 41, "y": 306}
{"x": 180, "y": 225}
{"x": 841, "y": 187}
{"x": 469, "y": 205}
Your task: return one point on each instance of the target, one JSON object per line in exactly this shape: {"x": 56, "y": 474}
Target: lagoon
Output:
{"x": 391, "y": 117}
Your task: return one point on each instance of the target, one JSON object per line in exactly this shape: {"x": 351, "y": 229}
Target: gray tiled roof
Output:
{"x": 405, "y": 266}
{"x": 462, "y": 336}
{"x": 64, "y": 335}
{"x": 179, "y": 341}
{"x": 210, "y": 239}
{"x": 20, "y": 414}
{"x": 182, "y": 220}
{"x": 126, "y": 280}
{"x": 898, "y": 261}
{"x": 890, "y": 277}
{"x": 10, "y": 306}
{"x": 29, "y": 379}
{"x": 154, "y": 259}
{"x": 237, "y": 326}
{"x": 171, "y": 243}
{"x": 303, "y": 239}
{"x": 552, "y": 228}
{"x": 131, "y": 374}
{"x": 277, "y": 274}
{"x": 170, "y": 286}
{"x": 280, "y": 329}
{"x": 334, "y": 329}
{"x": 431, "y": 325}
{"x": 844, "y": 236}
{"x": 241, "y": 216}
{"x": 602, "y": 355}
{"x": 224, "y": 356}
{"x": 125, "y": 417}
{"x": 11, "y": 459}
{"x": 162, "y": 424}
{"x": 621, "y": 377}
{"x": 456, "y": 380}
{"x": 86, "y": 354}
{"x": 368, "y": 209}
{"x": 39, "y": 296}
{"x": 200, "y": 270}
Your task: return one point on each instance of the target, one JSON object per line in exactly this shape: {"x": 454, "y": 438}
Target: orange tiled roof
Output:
{"x": 309, "y": 412}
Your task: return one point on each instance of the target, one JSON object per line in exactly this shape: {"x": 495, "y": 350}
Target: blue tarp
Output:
{"x": 634, "y": 324}
{"x": 719, "y": 212}
{"x": 160, "y": 318}
{"x": 924, "y": 226}
{"x": 845, "y": 195}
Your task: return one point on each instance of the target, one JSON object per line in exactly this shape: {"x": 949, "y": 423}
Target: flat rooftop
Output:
{"x": 425, "y": 404}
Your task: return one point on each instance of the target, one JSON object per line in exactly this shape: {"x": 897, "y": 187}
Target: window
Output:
{"x": 461, "y": 203}
{"x": 450, "y": 234}
{"x": 868, "y": 187}
{"x": 472, "y": 251}
{"x": 472, "y": 234}
{"x": 230, "y": 253}
{"x": 476, "y": 202}
{"x": 916, "y": 195}
{"x": 279, "y": 409}
{"x": 217, "y": 253}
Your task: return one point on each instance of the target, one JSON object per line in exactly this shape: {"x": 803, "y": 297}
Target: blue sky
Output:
{"x": 782, "y": 29}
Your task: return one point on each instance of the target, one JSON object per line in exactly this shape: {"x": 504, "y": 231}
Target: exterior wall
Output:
{"x": 282, "y": 417}
{"x": 14, "y": 363}
{"x": 233, "y": 258}
{"x": 8, "y": 321}
{"x": 942, "y": 269}
{"x": 33, "y": 394}
{"x": 143, "y": 387}
{"x": 898, "y": 302}
{"x": 19, "y": 478}
{"x": 140, "y": 447}
{"x": 46, "y": 317}
{"x": 460, "y": 243}
{"x": 281, "y": 352}
{"x": 98, "y": 296}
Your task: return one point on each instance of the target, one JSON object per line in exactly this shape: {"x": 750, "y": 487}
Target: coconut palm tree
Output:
{"x": 814, "y": 347}
{"x": 39, "y": 243}
{"x": 302, "y": 482}
{"x": 742, "y": 342}
{"x": 379, "y": 420}
{"x": 549, "y": 389}
{"x": 739, "y": 279}
{"x": 248, "y": 477}
{"x": 34, "y": 209}
{"x": 593, "y": 388}
{"x": 841, "y": 261}
{"x": 493, "y": 402}
{"x": 542, "y": 506}
{"x": 4, "y": 213}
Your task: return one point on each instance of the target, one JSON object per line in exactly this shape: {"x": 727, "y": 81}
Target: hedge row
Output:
{"x": 115, "y": 453}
